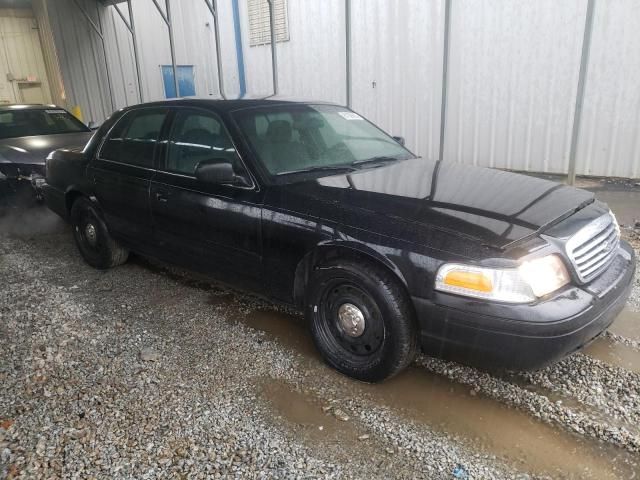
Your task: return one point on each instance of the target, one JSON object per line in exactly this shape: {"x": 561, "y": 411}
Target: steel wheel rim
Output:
{"x": 87, "y": 231}
{"x": 367, "y": 335}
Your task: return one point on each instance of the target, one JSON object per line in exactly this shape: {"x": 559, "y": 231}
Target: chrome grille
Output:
{"x": 594, "y": 247}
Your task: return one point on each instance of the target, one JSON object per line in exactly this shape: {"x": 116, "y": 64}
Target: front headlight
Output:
{"x": 532, "y": 279}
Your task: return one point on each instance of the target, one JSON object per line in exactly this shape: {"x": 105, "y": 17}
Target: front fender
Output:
{"x": 334, "y": 248}
{"x": 367, "y": 251}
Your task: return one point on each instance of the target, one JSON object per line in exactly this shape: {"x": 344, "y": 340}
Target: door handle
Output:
{"x": 162, "y": 196}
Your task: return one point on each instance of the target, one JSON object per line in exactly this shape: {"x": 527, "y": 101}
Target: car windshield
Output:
{"x": 28, "y": 122}
{"x": 307, "y": 138}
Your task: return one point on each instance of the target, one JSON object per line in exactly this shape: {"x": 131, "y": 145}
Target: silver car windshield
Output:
{"x": 29, "y": 122}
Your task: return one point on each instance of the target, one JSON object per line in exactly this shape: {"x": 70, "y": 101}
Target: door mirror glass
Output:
{"x": 217, "y": 171}
{"x": 400, "y": 140}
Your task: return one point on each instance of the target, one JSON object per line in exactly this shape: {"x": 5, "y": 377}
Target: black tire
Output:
{"x": 92, "y": 237}
{"x": 386, "y": 345}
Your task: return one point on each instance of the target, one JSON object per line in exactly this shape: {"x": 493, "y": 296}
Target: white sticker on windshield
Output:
{"x": 350, "y": 116}
{"x": 55, "y": 111}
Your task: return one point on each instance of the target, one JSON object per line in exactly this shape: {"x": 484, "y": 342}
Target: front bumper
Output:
{"x": 525, "y": 337}
{"x": 22, "y": 171}
{"x": 17, "y": 172}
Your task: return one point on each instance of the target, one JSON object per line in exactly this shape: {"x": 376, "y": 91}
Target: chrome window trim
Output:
{"x": 126, "y": 164}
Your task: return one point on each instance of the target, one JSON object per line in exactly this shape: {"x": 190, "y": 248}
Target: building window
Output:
{"x": 186, "y": 81}
{"x": 259, "y": 26}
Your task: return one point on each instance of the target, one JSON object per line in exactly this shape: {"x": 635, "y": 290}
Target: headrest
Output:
{"x": 279, "y": 131}
{"x": 199, "y": 136}
{"x": 309, "y": 123}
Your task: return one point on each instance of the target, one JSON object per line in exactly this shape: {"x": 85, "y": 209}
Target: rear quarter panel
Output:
{"x": 66, "y": 168}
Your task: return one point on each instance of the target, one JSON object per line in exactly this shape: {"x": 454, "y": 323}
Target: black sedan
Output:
{"x": 312, "y": 205}
{"x": 28, "y": 133}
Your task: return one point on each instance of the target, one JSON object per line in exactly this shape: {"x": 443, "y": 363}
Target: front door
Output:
{"x": 122, "y": 171}
{"x": 213, "y": 228}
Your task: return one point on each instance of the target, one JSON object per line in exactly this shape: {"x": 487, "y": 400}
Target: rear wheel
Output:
{"x": 95, "y": 243}
{"x": 361, "y": 320}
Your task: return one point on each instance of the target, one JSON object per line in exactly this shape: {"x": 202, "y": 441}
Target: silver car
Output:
{"x": 28, "y": 133}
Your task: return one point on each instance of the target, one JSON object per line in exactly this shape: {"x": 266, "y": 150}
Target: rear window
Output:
{"x": 133, "y": 139}
{"x": 32, "y": 122}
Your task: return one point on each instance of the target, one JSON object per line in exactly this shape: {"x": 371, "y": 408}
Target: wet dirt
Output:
{"x": 614, "y": 353}
{"x": 623, "y": 203}
{"x": 285, "y": 328}
{"x": 27, "y": 222}
{"x": 572, "y": 403}
{"x": 450, "y": 407}
{"x": 627, "y": 325}
{"x": 305, "y": 412}
{"x": 321, "y": 425}
{"x": 495, "y": 428}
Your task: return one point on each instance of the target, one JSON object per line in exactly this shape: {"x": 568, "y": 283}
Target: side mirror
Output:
{"x": 400, "y": 140}
{"x": 218, "y": 171}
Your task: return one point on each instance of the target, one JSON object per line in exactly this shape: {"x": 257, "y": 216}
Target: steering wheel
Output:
{"x": 341, "y": 151}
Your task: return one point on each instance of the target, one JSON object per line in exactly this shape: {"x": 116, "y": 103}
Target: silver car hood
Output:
{"x": 34, "y": 150}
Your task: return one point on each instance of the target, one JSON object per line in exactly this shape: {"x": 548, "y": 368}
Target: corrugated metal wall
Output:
{"x": 81, "y": 57}
{"x": 82, "y": 61}
{"x": 610, "y": 136}
{"x": 397, "y": 68}
{"x": 512, "y": 80}
{"x": 312, "y": 63}
{"x": 56, "y": 83}
{"x": 513, "y": 74}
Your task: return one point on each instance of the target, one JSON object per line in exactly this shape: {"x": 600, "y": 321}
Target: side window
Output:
{"x": 198, "y": 136}
{"x": 134, "y": 137}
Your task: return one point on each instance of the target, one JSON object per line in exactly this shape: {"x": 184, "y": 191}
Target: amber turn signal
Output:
{"x": 469, "y": 280}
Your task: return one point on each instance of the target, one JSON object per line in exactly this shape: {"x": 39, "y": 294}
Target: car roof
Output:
{"x": 26, "y": 106}
{"x": 221, "y": 105}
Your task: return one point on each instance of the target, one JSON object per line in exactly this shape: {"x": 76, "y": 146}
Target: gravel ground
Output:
{"x": 633, "y": 237}
{"x": 143, "y": 372}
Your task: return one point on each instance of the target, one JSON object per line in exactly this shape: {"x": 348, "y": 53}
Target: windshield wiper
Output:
{"x": 375, "y": 160}
{"x": 322, "y": 168}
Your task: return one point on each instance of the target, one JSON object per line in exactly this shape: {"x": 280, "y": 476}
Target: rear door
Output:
{"x": 122, "y": 171}
{"x": 215, "y": 228}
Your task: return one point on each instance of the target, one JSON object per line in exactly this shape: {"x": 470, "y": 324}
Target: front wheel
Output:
{"x": 96, "y": 245}
{"x": 361, "y": 320}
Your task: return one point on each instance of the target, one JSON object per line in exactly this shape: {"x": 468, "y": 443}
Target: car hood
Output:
{"x": 494, "y": 207}
{"x": 34, "y": 149}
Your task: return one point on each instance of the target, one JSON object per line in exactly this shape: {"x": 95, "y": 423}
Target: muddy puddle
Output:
{"x": 627, "y": 325}
{"x": 614, "y": 353}
{"x": 601, "y": 415}
{"x": 624, "y": 203}
{"x": 606, "y": 349}
{"x": 323, "y": 426}
{"x": 305, "y": 411}
{"x": 446, "y": 406}
{"x": 287, "y": 329}
{"x": 493, "y": 427}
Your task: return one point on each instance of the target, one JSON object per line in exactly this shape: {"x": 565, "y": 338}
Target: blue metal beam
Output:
{"x": 239, "y": 53}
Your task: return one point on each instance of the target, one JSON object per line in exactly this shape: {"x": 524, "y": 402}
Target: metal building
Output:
{"x": 542, "y": 86}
